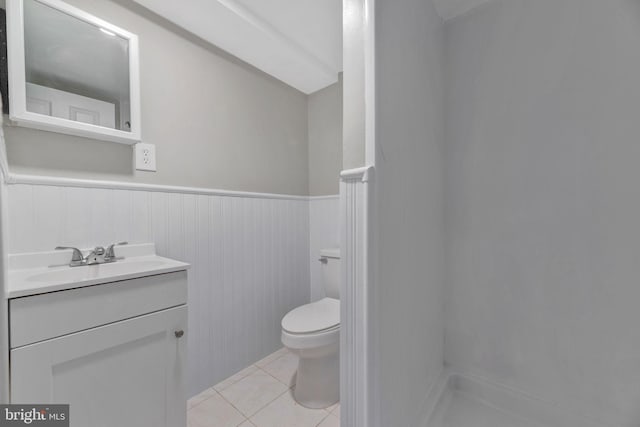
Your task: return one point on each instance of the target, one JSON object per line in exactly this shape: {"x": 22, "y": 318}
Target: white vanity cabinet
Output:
{"x": 116, "y": 352}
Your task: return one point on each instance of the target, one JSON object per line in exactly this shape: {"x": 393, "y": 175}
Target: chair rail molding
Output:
{"x": 55, "y": 181}
{"x": 356, "y": 389}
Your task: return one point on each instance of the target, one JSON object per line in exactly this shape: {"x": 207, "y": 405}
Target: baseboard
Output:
{"x": 501, "y": 397}
{"x": 438, "y": 389}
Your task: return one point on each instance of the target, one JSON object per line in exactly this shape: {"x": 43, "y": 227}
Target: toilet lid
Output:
{"x": 314, "y": 317}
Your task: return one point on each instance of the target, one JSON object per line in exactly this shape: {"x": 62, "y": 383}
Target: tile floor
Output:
{"x": 258, "y": 396}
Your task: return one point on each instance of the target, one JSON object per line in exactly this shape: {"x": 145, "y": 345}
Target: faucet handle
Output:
{"x": 77, "y": 256}
{"x": 110, "y": 253}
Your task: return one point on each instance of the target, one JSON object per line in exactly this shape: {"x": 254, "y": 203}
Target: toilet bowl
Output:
{"x": 312, "y": 332}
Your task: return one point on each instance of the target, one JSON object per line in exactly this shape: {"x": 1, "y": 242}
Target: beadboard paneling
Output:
{"x": 324, "y": 232}
{"x": 357, "y": 384}
{"x": 249, "y": 257}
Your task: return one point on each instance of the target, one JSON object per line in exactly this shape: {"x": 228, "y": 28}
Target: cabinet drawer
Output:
{"x": 40, "y": 317}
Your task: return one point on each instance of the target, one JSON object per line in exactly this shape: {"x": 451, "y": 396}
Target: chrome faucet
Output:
{"x": 77, "y": 259}
{"x": 110, "y": 254}
{"x": 99, "y": 255}
{"x": 96, "y": 256}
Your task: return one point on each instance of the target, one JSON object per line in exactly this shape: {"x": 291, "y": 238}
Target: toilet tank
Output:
{"x": 330, "y": 264}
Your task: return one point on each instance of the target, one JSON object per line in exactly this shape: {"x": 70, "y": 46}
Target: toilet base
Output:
{"x": 318, "y": 377}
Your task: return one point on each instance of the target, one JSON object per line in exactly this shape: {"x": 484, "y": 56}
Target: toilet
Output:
{"x": 312, "y": 331}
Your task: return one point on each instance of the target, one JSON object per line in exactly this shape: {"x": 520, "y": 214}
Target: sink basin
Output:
{"x": 80, "y": 274}
{"x": 29, "y": 276}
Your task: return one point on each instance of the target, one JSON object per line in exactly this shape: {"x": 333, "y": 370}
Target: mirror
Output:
{"x": 71, "y": 72}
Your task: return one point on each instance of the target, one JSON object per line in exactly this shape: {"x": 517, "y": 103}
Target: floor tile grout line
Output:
{"x": 245, "y": 376}
{"x": 243, "y": 421}
{"x": 245, "y": 418}
{"x": 290, "y": 388}
{"x": 203, "y": 400}
{"x": 248, "y": 418}
{"x": 259, "y": 409}
{"x": 271, "y": 361}
{"x": 322, "y": 420}
{"x": 264, "y": 406}
{"x": 328, "y": 414}
{"x": 213, "y": 387}
{"x": 209, "y": 397}
{"x": 238, "y": 380}
{"x": 234, "y": 406}
{"x": 216, "y": 392}
{"x": 277, "y": 379}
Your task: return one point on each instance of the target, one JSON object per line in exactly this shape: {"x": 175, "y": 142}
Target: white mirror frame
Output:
{"x": 17, "y": 85}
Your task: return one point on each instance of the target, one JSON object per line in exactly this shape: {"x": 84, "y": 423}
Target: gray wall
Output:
{"x": 409, "y": 197}
{"x": 216, "y": 122}
{"x": 353, "y": 81}
{"x": 325, "y": 140}
{"x": 543, "y": 201}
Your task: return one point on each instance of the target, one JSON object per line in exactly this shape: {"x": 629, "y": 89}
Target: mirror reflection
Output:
{"x": 75, "y": 70}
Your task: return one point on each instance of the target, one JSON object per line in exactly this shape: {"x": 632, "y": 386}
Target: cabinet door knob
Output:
{"x": 179, "y": 334}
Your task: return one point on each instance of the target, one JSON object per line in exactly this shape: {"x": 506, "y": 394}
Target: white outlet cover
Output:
{"x": 145, "y": 157}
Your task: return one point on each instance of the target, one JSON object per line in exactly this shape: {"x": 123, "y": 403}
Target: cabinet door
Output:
{"x": 126, "y": 374}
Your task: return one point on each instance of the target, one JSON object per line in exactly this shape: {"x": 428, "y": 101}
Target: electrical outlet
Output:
{"x": 145, "y": 157}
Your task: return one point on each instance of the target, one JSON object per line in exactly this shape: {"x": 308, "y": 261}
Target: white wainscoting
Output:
{"x": 324, "y": 233}
{"x": 356, "y": 387}
{"x": 249, "y": 256}
{"x": 4, "y": 261}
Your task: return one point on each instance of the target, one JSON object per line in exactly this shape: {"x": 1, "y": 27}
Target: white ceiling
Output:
{"x": 296, "y": 41}
{"x": 449, "y": 9}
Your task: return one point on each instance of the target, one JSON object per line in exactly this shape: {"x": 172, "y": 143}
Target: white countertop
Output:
{"x": 30, "y": 274}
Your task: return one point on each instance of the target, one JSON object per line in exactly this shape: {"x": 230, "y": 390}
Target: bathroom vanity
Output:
{"x": 108, "y": 339}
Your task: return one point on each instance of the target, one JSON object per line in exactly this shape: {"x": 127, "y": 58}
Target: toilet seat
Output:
{"x": 317, "y": 317}
{"x": 318, "y": 341}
